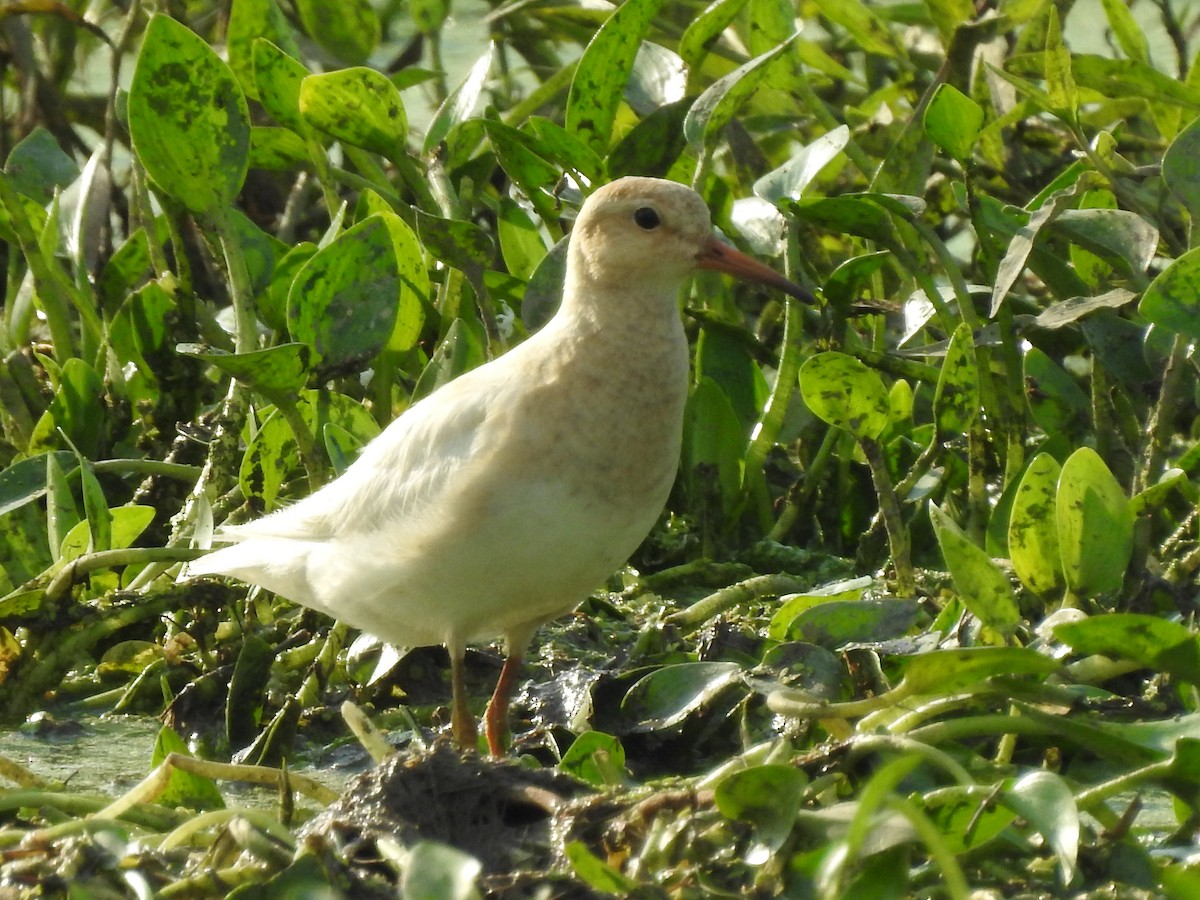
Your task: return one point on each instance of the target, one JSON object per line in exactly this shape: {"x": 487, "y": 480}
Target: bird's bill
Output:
{"x": 723, "y": 258}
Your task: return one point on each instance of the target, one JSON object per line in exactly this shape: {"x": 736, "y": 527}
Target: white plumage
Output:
{"x": 502, "y": 499}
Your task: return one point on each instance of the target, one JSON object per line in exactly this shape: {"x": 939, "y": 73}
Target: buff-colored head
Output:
{"x": 650, "y": 233}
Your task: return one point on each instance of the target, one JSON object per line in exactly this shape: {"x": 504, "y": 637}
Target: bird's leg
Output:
{"x": 496, "y": 717}
{"x": 462, "y": 723}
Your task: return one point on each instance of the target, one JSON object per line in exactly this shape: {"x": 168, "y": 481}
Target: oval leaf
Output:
{"x": 188, "y": 118}
{"x": 844, "y": 392}
{"x": 669, "y": 695}
{"x": 343, "y": 303}
{"x": 1095, "y": 525}
{"x": 358, "y": 106}
{"x": 1033, "y": 529}
{"x": 1173, "y": 298}
{"x": 956, "y": 399}
{"x": 984, "y": 587}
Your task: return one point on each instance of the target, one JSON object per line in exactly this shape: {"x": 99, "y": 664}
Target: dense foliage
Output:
{"x": 231, "y": 257}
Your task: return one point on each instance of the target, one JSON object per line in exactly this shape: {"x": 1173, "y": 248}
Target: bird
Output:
{"x": 502, "y": 499}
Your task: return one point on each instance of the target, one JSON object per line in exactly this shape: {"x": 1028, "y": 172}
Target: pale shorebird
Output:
{"x": 501, "y": 500}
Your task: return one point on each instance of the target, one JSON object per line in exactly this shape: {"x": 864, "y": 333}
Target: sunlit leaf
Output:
{"x": 952, "y": 121}
{"x": 1153, "y": 641}
{"x": 844, "y": 392}
{"x": 669, "y": 695}
{"x": 766, "y": 796}
{"x": 603, "y": 70}
{"x": 984, "y": 588}
{"x": 1033, "y": 528}
{"x": 1095, "y": 525}
{"x": 956, "y": 398}
{"x": 1173, "y": 299}
{"x": 359, "y": 106}
{"x": 349, "y": 29}
{"x": 1048, "y": 804}
{"x": 188, "y": 118}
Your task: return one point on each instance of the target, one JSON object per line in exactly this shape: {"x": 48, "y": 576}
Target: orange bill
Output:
{"x": 723, "y": 258}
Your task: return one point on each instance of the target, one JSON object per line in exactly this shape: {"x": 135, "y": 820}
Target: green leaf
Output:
{"x": 1181, "y": 167}
{"x": 520, "y": 241}
{"x": 188, "y": 118}
{"x": 436, "y": 871}
{"x": 704, "y": 30}
{"x": 276, "y": 149}
{"x": 1047, "y": 803}
{"x": 848, "y": 279}
{"x": 343, "y": 303}
{"x": 956, "y": 399}
{"x": 559, "y": 146}
{"x": 359, "y": 106}
{"x": 1153, "y": 641}
{"x": 1121, "y": 78}
{"x": 429, "y": 15}
{"x": 867, "y": 30}
{"x": 768, "y": 797}
{"x": 1095, "y": 525}
{"x": 183, "y": 788}
{"x": 1125, "y": 29}
{"x": 953, "y": 120}
{"x": 271, "y": 455}
{"x": 603, "y": 70}
{"x": 794, "y": 604}
{"x": 720, "y": 101}
{"x": 1056, "y": 401}
{"x": 1060, "y": 83}
{"x": 844, "y": 392}
{"x": 669, "y": 695}
{"x": 836, "y": 623}
{"x": 1033, "y": 528}
{"x": 414, "y": 283}
{"x": 349, "y": 29}
{"x": 74, "y": 410}
{"x": 793, "y": 177}
{"x": 946, "y": 671}
{"x": 279, "y": 370}
{"x": 62, "y": 514}
{"x": 653, "y": 145}
{"x": 948, "y": 15}
{"x": 713, "y": 443}
{"x": 38, "y": 166}
{"x": 459, "y": 351}
{"x": 596, "y": 873}
{"x": 247, "y": 690}
{"x": 127, "y": 525}
{"x": 982, "y": 584}
{"x": 251, "y": 20}
{"x": 25, "y": 480}
{"x": 279, "y": 77}
{"x": 456, "y": 242}
{"x": 845, "y": 214}
{"x": 516, "y": 154}
{"x": 1172, "y": 300}
{"x": 1117, "y": 235}
{"x": 595, "y": 757}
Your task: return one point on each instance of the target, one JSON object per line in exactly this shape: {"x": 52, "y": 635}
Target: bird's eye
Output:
{"x": 647, "y": 218}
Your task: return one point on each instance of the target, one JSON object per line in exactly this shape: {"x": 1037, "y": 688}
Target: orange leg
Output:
{"x": 496, "y": 716}
{"x": 462, "y": 723}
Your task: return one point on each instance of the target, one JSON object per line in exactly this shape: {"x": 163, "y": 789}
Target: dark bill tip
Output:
{"x": 721, "y": 257}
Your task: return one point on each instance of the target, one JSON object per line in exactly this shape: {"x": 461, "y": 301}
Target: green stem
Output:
{"x": 240, "y": 292}
{"x": 693, "y": 617}
{"x": 893, "y": 522}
